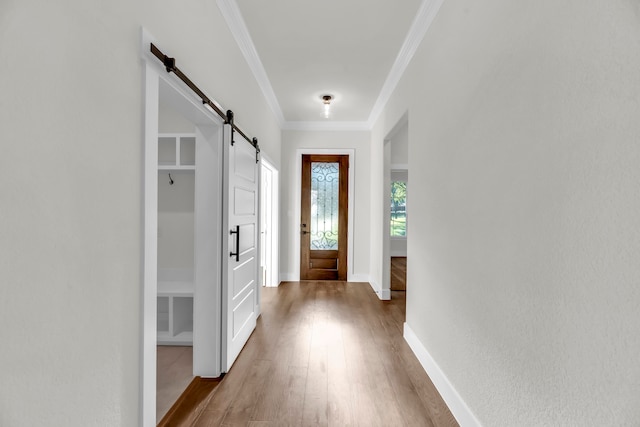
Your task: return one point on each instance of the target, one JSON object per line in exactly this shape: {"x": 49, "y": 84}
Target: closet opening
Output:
{"x": 183, "y": 244}
{"x": 200, "y": 291}
{"x": 176, "y": 250}
{"x": 395, "y": 201}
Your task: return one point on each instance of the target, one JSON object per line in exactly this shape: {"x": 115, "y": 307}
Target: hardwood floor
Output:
{"x": 398, "y": 273}
{"x": 326, "y": 354}
{"x": 174, "y": 372}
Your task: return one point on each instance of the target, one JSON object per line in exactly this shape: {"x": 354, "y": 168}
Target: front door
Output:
{"x": 324, "y": 218}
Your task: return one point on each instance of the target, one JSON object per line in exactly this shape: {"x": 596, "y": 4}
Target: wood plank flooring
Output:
{"x": 174, "y": 372}
{"x": 398, "y": 273}
{"x": 326, "y": 353}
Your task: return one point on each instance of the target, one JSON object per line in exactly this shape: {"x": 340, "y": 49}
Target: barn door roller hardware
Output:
{"x": 170, "y": 65}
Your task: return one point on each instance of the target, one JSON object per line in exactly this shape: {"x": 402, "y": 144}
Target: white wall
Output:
{"x": 523, "y": 137}
{"x": 170, "y": 121}
{"x": 175, "y": 203}
{"x": 176, "y": 221}
{"x": 400, "y": 147}
{"x": 293, "y": 140}
{"x": 71, "y": 168}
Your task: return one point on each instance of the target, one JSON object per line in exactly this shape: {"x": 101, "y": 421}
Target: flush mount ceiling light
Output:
{"x": 326, "y": 100}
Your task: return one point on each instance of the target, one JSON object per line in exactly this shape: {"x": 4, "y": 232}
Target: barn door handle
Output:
{"x": 237, "y": 252}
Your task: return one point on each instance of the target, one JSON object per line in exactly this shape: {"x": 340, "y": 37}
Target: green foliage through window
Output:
{"x": 398, "y": 209}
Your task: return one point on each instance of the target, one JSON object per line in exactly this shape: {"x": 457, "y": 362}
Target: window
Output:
{"x": 398, "y": 209}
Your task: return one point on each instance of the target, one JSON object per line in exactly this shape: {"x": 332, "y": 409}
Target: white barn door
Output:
{"x": 240, "y": 247}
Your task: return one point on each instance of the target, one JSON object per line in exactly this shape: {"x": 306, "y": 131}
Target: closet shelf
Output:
{"x": 176, "y": 151}
{"x": 177, "y": 169}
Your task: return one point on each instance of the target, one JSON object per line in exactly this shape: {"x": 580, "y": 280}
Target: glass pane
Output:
{"x": 398, "y": 209}
{"x": 325, "y": 177}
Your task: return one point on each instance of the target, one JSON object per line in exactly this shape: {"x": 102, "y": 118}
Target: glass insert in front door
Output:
{"x": 325, "y": 179}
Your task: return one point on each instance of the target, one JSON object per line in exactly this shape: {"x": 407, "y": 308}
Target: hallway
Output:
{"x": 327, "y": 353}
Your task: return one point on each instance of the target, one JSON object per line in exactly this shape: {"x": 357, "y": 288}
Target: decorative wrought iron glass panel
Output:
{"x": 325, "y": 177}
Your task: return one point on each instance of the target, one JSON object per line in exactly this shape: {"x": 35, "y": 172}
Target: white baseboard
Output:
{"x": 398, "y": 254}
{"x": 383, "y": 294}
{"x": 288, "y": 277}
{"x": 458, "y": 407}
{"x": 374, "y": 285}
{"x": 358, "y": 278}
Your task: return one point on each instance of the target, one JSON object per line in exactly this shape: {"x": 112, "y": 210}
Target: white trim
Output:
{"x": 425, "y": 16}
{"x": 150, "y": 250}
{"x": 387, "y": 168}
{"x": 275, "y": 214}
{"x": 208, "y": 205}
{"x": 386, "y": 215}
{"x": 383, "y": 294}
{"x": 359, "y": 278}
{"x": 289, "y": 277}
{"x": 327, "y": 126}
{"x": 399, "y": 167}
{"x": 375, "y": 286}
{"x": 295, "y": 224}
{"x": 295, "y": 277}
{"x": 456, "y": 404}
{"x": 238, "y": 28}
{"x": 158, "y": 84}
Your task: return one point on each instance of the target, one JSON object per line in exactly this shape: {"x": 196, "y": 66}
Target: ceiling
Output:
{"x": 300, "y": 50}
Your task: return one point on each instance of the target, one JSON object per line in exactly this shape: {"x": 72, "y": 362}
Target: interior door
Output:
{"x": 324, "y": 217}
{"x": 241, "y": 220}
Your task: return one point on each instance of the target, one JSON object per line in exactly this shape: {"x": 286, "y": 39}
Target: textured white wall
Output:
{"x": 175, "y": 203}
{"x": 293, "y": 140}
{"x": 400, "y": 147}
{"x": 176, "y": 221}
{"x": 523, "y": 137}
{"x": 71, "y": 168}
{"x": 170, "y": 121}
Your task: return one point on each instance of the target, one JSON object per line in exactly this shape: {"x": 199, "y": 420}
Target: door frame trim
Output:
{"x": 273, "y": 278}
{"x": 153, "y": 77}
{"x": 295, "y": 226}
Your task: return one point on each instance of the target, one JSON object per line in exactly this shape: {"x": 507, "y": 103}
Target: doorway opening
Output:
{"x": 175, "y": 263}
{"x": 395, "y": 215}
{"x": 182, "y": 242}
{"x": 270, "y": 227}
{"x": 212, "y": 295}
{"x": 398, "y": 228}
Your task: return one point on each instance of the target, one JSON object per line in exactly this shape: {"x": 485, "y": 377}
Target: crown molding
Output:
{"x": 326, "y": 126}
{"x": 425, "y": 16}
{"x": 240, "y": 32}
{"x": 421, "y": 23}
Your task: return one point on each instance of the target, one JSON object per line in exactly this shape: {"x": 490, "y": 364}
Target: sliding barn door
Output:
{"x": 240, "y": 271}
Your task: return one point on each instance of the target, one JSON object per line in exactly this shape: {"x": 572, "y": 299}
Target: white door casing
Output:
{"x": 240, "y": 247}
{"x": 269, "y": 222}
